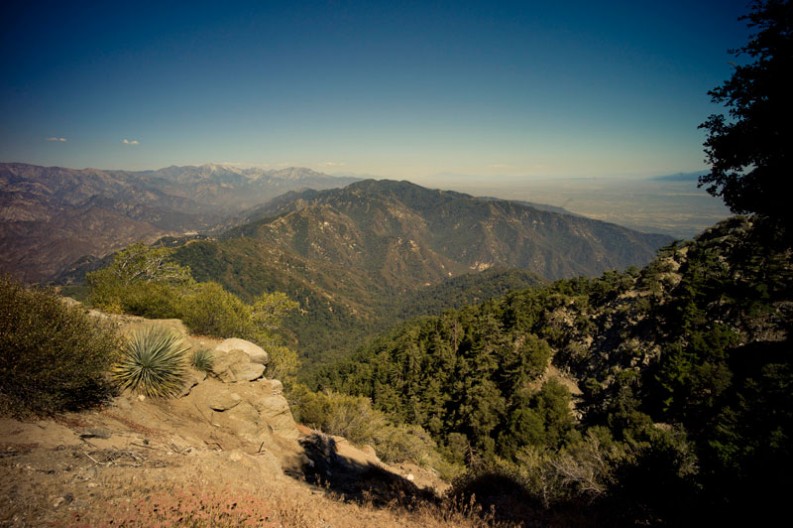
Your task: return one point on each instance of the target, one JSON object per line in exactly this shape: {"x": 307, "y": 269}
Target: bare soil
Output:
{"x": 182, "y": 462}
{"x": 220, "y": 455}
{"x": 151, "y": 463}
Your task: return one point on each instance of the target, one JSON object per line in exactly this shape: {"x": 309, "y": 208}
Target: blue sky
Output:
{"x": 510, "y": 90}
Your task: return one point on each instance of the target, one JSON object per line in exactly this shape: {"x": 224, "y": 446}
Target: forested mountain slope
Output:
{"x": 685, "y": 413}
{"x": 353, "y": 256}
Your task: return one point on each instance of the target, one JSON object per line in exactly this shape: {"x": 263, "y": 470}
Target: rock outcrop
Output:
{"x": 254, "y": 351}
{"x": 237, "y": 360}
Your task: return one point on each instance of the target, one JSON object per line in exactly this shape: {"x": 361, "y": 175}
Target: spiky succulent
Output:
{"x": 202, "y": 359}
{"x": 152, "y": 363}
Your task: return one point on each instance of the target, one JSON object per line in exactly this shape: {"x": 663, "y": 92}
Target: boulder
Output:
{"x": 235, "y": 366}
{"x": 276, "y": 387}
{"x": 254, "y": 352}
{"x": 274, "y": 410}
{"x": 248, "y": 410}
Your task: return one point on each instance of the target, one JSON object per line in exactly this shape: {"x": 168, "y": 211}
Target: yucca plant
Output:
{"x": 152, "y": 363}
{"x": 202, "y": 359}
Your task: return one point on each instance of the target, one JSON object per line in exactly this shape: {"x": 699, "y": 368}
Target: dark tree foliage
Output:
{"x": 685, "y": 416}
{"x": 750, "y": 149}
{"x": 463, "y": 374}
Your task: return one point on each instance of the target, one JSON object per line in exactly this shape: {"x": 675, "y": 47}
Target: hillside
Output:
{"x": 654, "y": 396}
{"x": 682, "y": 412}
{"x": 225, "y": 453}
{"x": 352, "y": 257}
{"x": 51, "y": 216}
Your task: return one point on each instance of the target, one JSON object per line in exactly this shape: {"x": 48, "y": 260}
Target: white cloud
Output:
{"x": 333, "y": 164}
{"x": 130, "y": 141}
{"x": 57, "y": 139}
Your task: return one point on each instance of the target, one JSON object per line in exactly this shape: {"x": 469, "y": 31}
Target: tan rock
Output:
{"x": 256, "y": 353}
{"x": 223, "y": 400}
{"x": 234, "y": 366}
{"x": 275, "y": 411}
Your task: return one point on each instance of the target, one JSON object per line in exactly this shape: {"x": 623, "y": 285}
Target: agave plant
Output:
{"x": 152, "y": 363}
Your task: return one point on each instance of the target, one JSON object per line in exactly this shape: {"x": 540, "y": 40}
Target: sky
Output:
{"x": 500, "y": 90}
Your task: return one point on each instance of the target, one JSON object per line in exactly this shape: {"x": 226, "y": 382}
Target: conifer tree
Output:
{"x": 751, "y": 149}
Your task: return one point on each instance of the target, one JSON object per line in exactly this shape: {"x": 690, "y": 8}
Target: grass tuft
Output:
{"x": 202, "y": 359}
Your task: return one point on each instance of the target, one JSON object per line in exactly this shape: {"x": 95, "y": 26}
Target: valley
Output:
{"x": 673, "y": 205}
{"x": 358, "y": 256}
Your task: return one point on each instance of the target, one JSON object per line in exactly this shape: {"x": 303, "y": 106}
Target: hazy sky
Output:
{"x": 396, "y": 89}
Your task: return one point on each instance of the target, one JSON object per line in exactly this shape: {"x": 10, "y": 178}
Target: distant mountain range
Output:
{"x": 52, "y": 216}
{"x": 440, "y": 234}
{"x": 354, "y": 256}
{"x": 357, "y": 255}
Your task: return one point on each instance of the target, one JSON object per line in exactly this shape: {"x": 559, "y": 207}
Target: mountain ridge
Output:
{"x": 350, "y": 255}
{"x": 440, "y": 218}
{"x": 91, "y": 211}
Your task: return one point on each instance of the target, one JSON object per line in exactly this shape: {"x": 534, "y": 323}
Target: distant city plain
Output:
{"x": 669, "y": 205}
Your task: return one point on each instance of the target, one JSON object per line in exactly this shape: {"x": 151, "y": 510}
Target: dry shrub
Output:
{"x": 53, "y": 357}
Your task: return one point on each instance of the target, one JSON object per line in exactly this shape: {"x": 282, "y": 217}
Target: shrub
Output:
{"x": 149, "y": 299}
{"x": 53, "y": 357}
{"x": 141, "y": 280}
{"x": 284, "y": 362}
{"x": 152, "y": 363}
{"x": 404, "y": 443}
{"x": 211, "y": 310}
{"x": 338, "y": 414}
{"x": 354, "y": 418}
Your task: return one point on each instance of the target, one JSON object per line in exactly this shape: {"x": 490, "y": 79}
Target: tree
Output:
{"x": 269, "y": 310}
{"x": 209, "y": 309}
{"x": 140, "y": 280}
{"x": 141, "y": 263}
{"x": 750, "y": 151}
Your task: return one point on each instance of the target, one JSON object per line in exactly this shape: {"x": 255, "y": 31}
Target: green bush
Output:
{"x": 152, "y": 363}
{"x": 354, "y": 418}
{"x": 401, "y": 443}
{"x": 141, "y": 280}
{"x": 53, "y": 357}
{"x": 208, "y": 309}
{"x": 338, "y": 414}
{"x": 211, "y": 310}
{"x": 284, "y": 362}
{"x": 150, "y": 299}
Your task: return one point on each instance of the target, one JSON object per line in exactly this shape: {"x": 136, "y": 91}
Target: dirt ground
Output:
{"x": 222, "y": 454}
{"x": 153, "y": 463}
